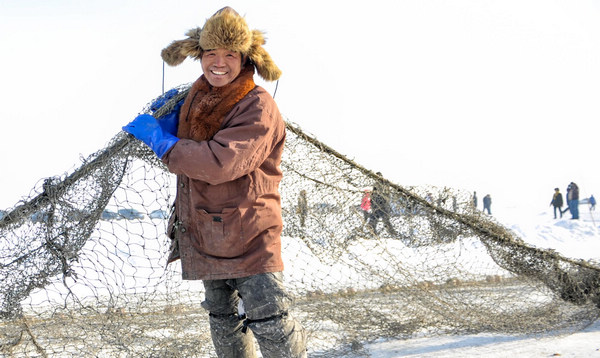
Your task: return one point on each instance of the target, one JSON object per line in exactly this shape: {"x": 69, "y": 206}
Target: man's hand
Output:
{"x": 147, "y": 129}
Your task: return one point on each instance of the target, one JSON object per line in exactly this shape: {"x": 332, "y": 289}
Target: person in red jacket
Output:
{"x": 225, "y": 144}
{"x": 365, "y": 204}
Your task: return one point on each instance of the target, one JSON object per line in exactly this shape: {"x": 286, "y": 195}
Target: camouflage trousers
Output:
{"x": 265, "y": 303}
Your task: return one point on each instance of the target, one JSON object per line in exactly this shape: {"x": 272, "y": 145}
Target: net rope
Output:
{"x": 83, "y": 262}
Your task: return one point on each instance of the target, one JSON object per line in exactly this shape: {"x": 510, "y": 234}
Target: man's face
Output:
{"x": 221, "y": 66}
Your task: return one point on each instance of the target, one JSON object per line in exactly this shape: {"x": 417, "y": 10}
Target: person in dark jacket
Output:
{"x": 487, "y": 204}
{"x": 224, "y": 142}
{"x": 380, "y": 209}
{"x": 557, "y": 202}
{"x": 302, "y": 209}
{"x": 573, "y": 200}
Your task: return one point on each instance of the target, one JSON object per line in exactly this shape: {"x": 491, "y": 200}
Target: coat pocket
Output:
{"x": 221, "y": 233}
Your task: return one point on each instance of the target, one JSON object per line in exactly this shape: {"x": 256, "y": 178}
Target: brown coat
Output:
{"x": 228, "y": 205}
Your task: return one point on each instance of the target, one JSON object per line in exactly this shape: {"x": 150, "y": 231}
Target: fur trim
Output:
{"x": 205, "y": 106}
{"x": 225, "y": 29}
{"x": 265, "y": 66}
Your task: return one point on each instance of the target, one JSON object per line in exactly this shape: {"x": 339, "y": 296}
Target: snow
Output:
{"x": 537, "y": 226}
{"x": 585, "y": 343}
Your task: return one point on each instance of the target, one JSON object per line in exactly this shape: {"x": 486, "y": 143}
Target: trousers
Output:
{"x": 266, "y": 318}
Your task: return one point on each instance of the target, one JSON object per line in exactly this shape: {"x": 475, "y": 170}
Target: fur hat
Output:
{"x": 225, "y": 29}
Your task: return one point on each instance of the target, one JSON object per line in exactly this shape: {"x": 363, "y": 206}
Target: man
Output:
{"x": 557, "y": 202}
{"x": 573, "y": 200}
{"x": 487, "y": 204}
{"x": 380, "y": 209}
{"x": 225, "y": 148}
{"x": 302, "y": 209}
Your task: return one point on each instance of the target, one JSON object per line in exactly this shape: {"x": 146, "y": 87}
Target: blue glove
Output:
{"x": 160, "y": 101}
{"x": 170, "y": 121}
{"x": 147, "y": 129}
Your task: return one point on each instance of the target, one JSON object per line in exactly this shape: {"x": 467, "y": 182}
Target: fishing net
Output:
{"x": 83, "y": 268}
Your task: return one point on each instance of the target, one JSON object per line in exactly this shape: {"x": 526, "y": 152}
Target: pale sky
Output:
{"x": 501, "y": 97}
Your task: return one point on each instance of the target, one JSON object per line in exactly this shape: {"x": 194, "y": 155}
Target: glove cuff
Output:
{"x": 164, "y": 145}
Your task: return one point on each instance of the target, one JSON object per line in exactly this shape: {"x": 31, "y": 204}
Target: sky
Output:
{"x": 498, "y": 97}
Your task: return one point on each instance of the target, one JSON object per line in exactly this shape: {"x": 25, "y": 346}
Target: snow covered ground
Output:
{"x": 572, "y": 238}
{"x": 585, "y": 343}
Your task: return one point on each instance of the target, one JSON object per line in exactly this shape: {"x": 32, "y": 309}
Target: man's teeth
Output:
{"x": 218, "y": 73}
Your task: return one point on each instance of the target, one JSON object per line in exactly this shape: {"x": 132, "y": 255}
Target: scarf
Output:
{"x": 205, "y": 106}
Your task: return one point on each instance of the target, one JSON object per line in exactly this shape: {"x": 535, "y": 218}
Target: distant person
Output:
{"x": 475, "y": 199}
{"x": 365, "y": 204}
{"x": 592, "y": 203}
{"x": 557, "y": 202}
{"x": 487, "y": 204}
{"x": 380, "y": 209}
{"x": 573, "y": 200}
{"x": 302, "y": 207}
{"x": 429, "y": 198}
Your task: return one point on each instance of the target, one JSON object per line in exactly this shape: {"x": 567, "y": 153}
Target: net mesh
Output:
{"x": 83, "y": 262}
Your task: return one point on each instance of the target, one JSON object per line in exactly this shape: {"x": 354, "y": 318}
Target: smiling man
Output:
{"x": 224, "y": 142}
{"x": 221, "y": 66}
